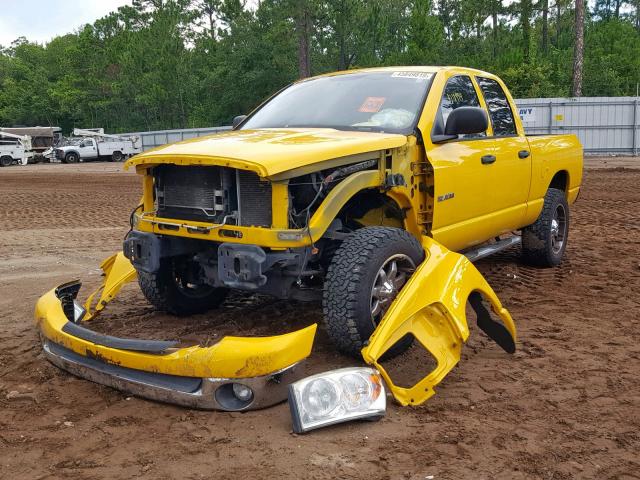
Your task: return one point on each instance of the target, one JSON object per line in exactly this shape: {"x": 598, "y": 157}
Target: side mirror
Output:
{"x": 238, "y": 120}
{"x": 82, "y": 145}
{"x": 466, "y": 120}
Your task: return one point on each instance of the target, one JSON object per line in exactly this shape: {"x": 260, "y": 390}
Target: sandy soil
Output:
{"x": 566, "y": 405}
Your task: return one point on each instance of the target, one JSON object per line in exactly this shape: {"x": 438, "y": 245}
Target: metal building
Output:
{"x": 604, "y": 125}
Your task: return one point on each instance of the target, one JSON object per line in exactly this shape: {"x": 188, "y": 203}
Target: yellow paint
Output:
{"x": 559, "y": 117}
{"x": 118, "y": 271}
{"x": 270, "y": 151}
{"x": 231, "y": 357}
{"x": 431, "y": 306}
{"x": 280, "y": 205}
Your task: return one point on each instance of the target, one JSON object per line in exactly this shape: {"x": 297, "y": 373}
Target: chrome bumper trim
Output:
{"x": 190, "y": 392}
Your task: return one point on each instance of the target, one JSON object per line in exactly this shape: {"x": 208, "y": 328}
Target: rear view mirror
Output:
{"x": 238, "y": 120}
{"x": 466, "y": 120}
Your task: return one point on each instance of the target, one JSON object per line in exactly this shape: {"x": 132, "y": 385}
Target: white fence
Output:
{"x": 162, "y": 137}
{"x": 604, "y": 125}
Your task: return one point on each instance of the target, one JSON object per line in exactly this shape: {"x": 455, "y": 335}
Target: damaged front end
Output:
{"x": 245, "y": 373}
{"x": 235, "y": 374}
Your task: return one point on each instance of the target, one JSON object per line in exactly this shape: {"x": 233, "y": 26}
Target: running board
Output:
{"x": 486, "y": 250}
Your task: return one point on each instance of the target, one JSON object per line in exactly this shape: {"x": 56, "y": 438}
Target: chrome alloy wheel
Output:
{"x": 391, "y": 277}
{"x": 558, "y": 229}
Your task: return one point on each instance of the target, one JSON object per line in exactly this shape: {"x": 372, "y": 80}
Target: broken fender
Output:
{"x": 118, "y": 271}
{"x": 431, "y": 307}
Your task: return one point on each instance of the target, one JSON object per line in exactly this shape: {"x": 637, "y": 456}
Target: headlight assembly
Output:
{"x": 336, "y": 396}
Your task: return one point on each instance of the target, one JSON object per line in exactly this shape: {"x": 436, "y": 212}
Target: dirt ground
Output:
{"x": 566, "y": 405}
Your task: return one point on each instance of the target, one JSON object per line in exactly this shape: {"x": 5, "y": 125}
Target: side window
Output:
{"x": 499, "y": 109}
{"x": 458, "y": 92}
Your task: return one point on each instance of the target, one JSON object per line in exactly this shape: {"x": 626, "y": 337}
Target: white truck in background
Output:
{"x": 94, "y": 144}
{"x": 15, "y": 149}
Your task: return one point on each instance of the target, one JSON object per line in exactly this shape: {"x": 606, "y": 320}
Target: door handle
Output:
{"x": 524, "y": 153}
{"x": 487, "y": 159}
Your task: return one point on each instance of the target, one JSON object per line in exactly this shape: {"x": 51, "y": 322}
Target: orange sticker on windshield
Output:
{"x": 372, "y": 105}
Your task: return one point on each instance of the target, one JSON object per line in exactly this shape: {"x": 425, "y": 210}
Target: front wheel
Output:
{"x": 365, "y": 275}
{"x": 544, "y": 242}
{"x": 71, "y": 157}
{"x": 175, "y": 288}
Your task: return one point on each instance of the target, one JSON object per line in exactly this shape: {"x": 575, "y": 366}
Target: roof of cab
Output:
{"x": 413, "y": 68}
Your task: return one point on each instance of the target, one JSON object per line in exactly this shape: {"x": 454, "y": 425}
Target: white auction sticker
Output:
{"x": 416, "y": 75}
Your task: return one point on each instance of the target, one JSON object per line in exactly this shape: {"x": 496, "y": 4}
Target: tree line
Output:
{"x": 160, "y": 64}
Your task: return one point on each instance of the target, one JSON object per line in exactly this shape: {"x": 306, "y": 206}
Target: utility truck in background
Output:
{"x": 15, "y": 149}
{"x": 43, "y": 139}
{"x": 94, "y": 144}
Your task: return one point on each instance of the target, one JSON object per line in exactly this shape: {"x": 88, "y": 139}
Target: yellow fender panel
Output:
{"x": 431, "y": 306}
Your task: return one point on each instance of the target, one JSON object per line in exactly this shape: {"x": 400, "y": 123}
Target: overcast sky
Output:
{"x": 41, "y": 20}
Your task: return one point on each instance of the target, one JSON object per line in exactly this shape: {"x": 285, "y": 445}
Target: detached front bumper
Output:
{"x": 235, "y": 374}
{"x": 193, "y": 392}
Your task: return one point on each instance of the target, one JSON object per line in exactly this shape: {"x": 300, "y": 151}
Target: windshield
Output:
{"x": 389, "y": 101}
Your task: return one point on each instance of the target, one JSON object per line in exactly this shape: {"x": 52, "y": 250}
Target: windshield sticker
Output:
{"x": 372, "y": 104}
{"x": 418, "y": 76}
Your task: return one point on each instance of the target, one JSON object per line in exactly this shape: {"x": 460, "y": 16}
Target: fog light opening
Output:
{"x": 234, "y": 396}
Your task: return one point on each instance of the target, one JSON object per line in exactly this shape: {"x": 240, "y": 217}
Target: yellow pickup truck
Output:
{"x": 339, "y": 188}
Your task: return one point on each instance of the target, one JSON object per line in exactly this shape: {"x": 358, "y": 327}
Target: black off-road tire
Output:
{"x": 540, "y": 245}
{"x": 162, "y": 291}
{"x": 6, "y": 161}
{"x": 347, "y": 295}
{"x": 116, "y": 156}
{"x": 71, "y": 157}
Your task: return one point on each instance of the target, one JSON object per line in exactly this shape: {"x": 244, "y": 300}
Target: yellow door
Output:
{"x": 481, "y": 183}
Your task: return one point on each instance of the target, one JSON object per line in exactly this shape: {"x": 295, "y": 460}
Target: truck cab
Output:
{"x": 88, "y": 148}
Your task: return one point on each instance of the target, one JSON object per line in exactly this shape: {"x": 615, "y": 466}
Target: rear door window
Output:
{"x": 459, "y": 92}
{"x": 499, "y": 109}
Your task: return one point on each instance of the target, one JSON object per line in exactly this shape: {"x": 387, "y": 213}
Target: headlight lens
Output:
{"x": 336, "y": 396}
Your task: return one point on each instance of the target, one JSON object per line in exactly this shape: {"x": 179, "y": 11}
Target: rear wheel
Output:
{"x": 116, "y": 156}
{"x": 5, "y": 161}
{"x": 544, "y": 242}
{"x": 174, "y": 288}
{"x": 364, "y": 277}
{"x": 71, "y": 157}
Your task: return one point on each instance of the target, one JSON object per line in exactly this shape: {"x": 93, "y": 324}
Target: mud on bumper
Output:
{"x": 234, "y": 374}
{"x": 193, "y": 392}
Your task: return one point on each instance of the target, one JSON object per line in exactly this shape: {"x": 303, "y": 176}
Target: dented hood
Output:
{"x": 269, "y": 152}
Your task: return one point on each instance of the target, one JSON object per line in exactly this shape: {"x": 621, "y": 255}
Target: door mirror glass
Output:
{"x": 466, "y": 121}
{"x": 238, "y": 120}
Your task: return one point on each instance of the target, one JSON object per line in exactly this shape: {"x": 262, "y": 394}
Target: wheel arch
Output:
{"x": 560, "y": 181}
